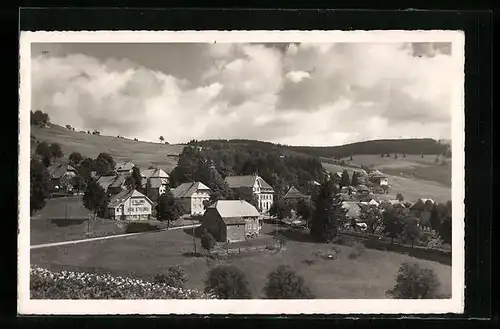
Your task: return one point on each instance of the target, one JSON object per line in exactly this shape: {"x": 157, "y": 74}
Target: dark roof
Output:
{"x": 119, "y": 181}
{"x": 293, "y": 193}
{"x": 186, "y": 190}
{"x": 246, "y": 181}
{"x": 56, "y": 171}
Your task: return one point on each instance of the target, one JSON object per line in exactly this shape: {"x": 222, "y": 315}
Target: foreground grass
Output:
{"x": 143, "y": 256}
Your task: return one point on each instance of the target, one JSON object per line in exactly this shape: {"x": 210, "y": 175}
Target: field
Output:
{"x": 142, "y": 154}
{"x": 368, "y": 276}
{"x": 412, "y": 176}
{"x": 65, "y": 219}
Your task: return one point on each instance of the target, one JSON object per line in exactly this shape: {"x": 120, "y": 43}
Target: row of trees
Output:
{"x": 242, "y": 158}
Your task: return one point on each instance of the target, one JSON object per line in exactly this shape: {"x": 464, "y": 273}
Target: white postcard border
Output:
{"x": 27, "y": 306}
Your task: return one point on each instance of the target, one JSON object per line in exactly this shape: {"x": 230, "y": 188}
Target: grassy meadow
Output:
{"x": 142, "y": 154}
{"x": 143, "y": 256}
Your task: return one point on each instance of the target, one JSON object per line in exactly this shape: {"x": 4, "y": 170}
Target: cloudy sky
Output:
{"x": 297, "y": 94}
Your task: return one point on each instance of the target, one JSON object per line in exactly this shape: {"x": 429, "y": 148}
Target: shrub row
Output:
{"x": 45, "y": 284}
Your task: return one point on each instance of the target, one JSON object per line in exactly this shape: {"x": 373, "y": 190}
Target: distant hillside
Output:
{"x": 142, "y": 154}
{"x": 381, "y": 146}
{"x": 385, "y": 146}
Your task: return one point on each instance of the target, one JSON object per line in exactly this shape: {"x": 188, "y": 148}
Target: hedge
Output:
{"x": 45, "y": 284}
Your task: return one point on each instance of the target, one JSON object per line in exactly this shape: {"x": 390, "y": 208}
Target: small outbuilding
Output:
{"x": 232, "y": 220}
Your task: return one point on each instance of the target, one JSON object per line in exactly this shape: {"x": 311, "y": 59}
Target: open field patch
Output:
{"x": 367, "y": 276}
{"x": 142, "y": 154}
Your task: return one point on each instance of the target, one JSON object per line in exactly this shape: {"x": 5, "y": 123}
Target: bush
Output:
{"x": 175, "y": 277}
{"x": 207, "y": 241}
{"x": 227, "y": 282}
{"x": 45, "y": 284}
{"x": 137, "y": 227}
{"x": 414, "y": 282}
{"x": 284, "y": 283}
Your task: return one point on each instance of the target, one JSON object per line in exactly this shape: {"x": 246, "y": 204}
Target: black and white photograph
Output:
{"x": 241, "y": 172}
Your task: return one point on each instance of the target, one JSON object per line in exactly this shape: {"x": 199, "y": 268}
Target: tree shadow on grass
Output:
{"x": 193, "y": 254}
{"x": 64, "y": 222}
{"x": 198, "y": 231}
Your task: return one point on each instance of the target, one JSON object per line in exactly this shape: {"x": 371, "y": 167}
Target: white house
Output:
{"x": 192, "y": 195}
{"x": 130, "y": 205}
{"x": 253, "y": 185}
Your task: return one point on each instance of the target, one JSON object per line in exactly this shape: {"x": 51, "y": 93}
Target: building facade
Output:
{"x": 154, "y": 182}
{"x": 192, "y": 196}
{"x": 232, "y": 220}
{"x": 60, "y": 178}
{"x": 253, "y": 185}
{"x": 130, "y": 205}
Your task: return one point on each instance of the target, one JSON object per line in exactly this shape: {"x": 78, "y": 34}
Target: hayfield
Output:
{"x": 411, "y": 177}
{"x": 142, "y": 154}
{"x": 368, "y": 276}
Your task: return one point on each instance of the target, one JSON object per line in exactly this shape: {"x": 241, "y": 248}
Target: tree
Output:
{"x": 134, "y": 181}
{"x": 329, "y": 215}
{"x": 284, "y": 283}
{"x": 304, "y": 209}
{"x": 95, "y": 198}
{"x": 395, "y": 156}
{"x": 39, "y": 118}
{"x": 43, "y": 150}
{"x": 75, "y": 158}
{"x": 207, "y": 241}
{"x": 79, "y": 183}
{"x": 227, "y": 282}
{"x": 280, "y": 209}
{"x": 85, "y": 168}
{"x": 435, "y": 218}
{"x": 39, "y": 186}
{"x": 411, "y": 230}
{"x": 445, "y": 231}
{"x": 393, "y": 219}
{"x": 355, "y": 181}
{"x": 56, "y": 151}
{"x": 400, "y": 197}
{"x": 103, "y": 164}
{"x": 175, "y": 277}
{"x": 162, "y": 139}
{"x": 371, "y": 216}
{"x": 168, "y": 208}
{"x": 414, "y": 282}
{"x": 344, "y": 181}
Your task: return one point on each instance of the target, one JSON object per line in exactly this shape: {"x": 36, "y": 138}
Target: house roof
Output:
{"x": 233, "y": 220}
{"x": 361, "y": 172}
{"x": 377, "y": 174}
{"x": 105, "y": 181}
{"x": 124, "y": 195}
{"x": 362, "y": 187}
{"x": 156, "y": 182}
{"x": 353, "y": 209}
{"x": 293, "y": 193}
{"x": 154, "y": 173}
{"x": 119, "y": 181}
{"x": 124, "y": 166}
{"x": 246, "y": 181}
{"x": 58, "y": 170}
{"x": 186, "y": 190}
{"x": 315, "y": 183}
{"x": 234, "y": 208}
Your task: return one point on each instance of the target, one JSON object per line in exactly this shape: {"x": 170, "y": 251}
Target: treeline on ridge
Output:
{"x": 201, "y": 160}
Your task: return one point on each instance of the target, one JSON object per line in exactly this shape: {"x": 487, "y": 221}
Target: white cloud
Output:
{"x": 324, "y": 94}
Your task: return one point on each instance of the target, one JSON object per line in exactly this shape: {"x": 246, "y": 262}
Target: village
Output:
{"x": 240, "y": 219}
{"x": 204, "y": 221}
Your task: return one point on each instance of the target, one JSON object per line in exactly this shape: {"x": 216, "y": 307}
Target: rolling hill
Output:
{"x": 143, "y": 154}
{"x": 412, "y": 175}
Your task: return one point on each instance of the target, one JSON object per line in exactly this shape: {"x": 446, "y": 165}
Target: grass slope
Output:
{"x": 142, "y": 154}
{"x": 368, "y": 276}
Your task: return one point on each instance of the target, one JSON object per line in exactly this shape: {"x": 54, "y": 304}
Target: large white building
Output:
{"x": 253, "y": 185}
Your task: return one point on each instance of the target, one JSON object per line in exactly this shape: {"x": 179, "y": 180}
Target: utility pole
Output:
{"x": 65, "y": 211}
